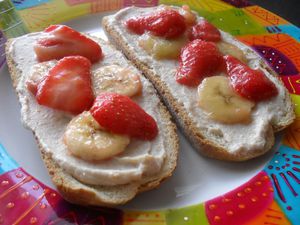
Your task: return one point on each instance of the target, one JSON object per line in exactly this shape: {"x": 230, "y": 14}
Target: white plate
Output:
{"x": 195, "y": 180}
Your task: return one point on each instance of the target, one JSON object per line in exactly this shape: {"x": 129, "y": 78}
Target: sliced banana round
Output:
{"x": 85, "y": 139}
{"x": 189, "y": 16}
{"x": 230, "y": 49}
{"x": 161, "y": 48}
{"x": 37, "y": 73}
{"x": 222, "y": 103}
{"x": 116, "y": 79}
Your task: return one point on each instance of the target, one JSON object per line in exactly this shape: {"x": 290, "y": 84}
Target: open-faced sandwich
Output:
{"x": 102, "y": 130}
{"x": 225, "y": 98}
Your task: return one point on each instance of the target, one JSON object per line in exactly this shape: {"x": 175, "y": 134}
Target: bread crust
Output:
{"x": 189, "y": 129}
{"x": 77, "y": 192}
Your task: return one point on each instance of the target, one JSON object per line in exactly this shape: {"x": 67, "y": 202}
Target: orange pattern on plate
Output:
{"x": 272, "y": 216}
{"x": 105, "y": 5}
{"x": 263, "y": 16}
{"x": 145, "y": 218}
{"x": 282, "y": 42}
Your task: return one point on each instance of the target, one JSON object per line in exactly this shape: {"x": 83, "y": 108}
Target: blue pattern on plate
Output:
{"x": 284, "y": 170}
{"x": 289, "y": 29}
{"x": 6, "y": 162}
{"x": 24, "y": 4}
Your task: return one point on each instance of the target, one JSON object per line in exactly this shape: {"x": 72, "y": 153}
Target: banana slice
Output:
{"x": 229, "y": 49}
{"x": 118, "y": 80}
{"x": 221, "y": 103}
{"x": 85, "y": 139}
{"x": 189, "y": 16}
{"x": 161, "y": 48}
{"x": 37, "y": 73}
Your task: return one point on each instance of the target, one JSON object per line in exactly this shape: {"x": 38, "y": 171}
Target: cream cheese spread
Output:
{"x": 235, "y": 138}
{"x": 141, "y": 158}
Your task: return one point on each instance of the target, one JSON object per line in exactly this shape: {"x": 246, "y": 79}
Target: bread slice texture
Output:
{"x": 220, "y": 141}
{"x": 71, "y": 188}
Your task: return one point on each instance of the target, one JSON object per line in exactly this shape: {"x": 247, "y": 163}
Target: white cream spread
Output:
{"x": 235, "y": 138}
{"x": 141, "y": 158}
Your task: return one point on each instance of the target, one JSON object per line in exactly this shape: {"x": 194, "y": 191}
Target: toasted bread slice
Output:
{"x": 232, "y": 142}
{"x": 39, "y": 118}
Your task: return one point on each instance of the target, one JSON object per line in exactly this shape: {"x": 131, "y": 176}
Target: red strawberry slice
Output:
{"x": 167, "y": 23}
{"x": 243, "y": 204}
{"x": 205, "y": 31}
{"x": 198, "y": 59}
{"x": 62, "y": 41}
{"x": 67, "y": 87}
{"x": 249, "y": 83}
{"x": 119, "y": 114}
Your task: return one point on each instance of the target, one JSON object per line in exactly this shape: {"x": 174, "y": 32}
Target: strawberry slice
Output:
{"x": 119, "y": 114}
{"x": 198, "y": 59}
{"x": 67, "y": 87}
{"x": 167, "y": 23}
{"x": 61, "y": 41}
{"x": 250, "y": 84}
{"x": 205, "y": 31}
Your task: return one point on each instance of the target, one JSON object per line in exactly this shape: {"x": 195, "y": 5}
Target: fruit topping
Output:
{"x": 59, "y": 41}
{"x": 85, "y": 139}
{"x": 67, "y": 86}
{"x": 38, "y": 72}
{"x": 166, "y": 23}
{"x": 189, "y": 16}
{"x": 118, "y": 80}
{"x": 162, "y": 48}
{"x": 205, "y": 31}
{"x": 249, "y": 83}
{"x": 198, "y": 59}
{"x": 221, "y": 103}
{"x": 120, "y": 115}
{"x": 230, "y": 49}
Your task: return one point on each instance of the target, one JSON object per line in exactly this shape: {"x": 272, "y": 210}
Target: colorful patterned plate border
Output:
{"x": 271, "y": 197}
